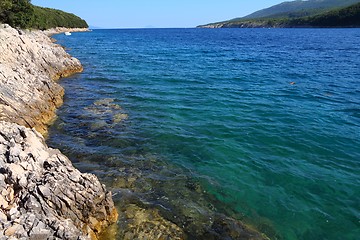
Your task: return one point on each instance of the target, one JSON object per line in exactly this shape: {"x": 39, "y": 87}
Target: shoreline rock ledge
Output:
{"x": 29, "y": 64}
{"x": 42, "y": 195}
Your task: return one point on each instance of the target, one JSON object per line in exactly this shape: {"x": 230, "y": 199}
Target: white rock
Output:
{"x": 47, "y": 195}
{"x": 17, "y": 170}
{"x": 29, "y": 96}
{"x": 13, "y": 211}
{"x": 3, "y": 203}
{"x": 29, "y": 63}
{"x": 3, "y": 217}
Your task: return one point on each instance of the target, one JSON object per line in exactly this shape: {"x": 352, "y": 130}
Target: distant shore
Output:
{"x": 59, "y": 30}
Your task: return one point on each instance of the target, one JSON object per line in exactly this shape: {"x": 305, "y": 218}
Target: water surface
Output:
{"x": 264, "y": 123}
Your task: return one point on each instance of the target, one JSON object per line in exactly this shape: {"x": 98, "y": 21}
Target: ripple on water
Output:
{"x": 192, "y": 126}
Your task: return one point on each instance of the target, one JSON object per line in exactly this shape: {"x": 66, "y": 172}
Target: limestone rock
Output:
{"x": 29, "y": 64}
{"x": 42, "y": 196}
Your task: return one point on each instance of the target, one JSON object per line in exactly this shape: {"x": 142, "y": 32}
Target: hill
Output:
{"x": 45, "y": 18}
{"x": 22, "y": 14}
{"x": 312, "y": 13}
{"x": 345, "y": 17}
{"x": 300, "y": 8}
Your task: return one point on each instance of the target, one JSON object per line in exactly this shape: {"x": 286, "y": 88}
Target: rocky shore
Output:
{"x": 29, "y": 64}
{"x": 42, "y": 196}
{"x": 57, "y": 30}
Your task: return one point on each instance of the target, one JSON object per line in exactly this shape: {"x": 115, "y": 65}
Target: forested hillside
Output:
{"x": 292, "y": 9}
{"x": 320, "y": 16}
{"x": 22, "y": 14}
{"x": 345, "y": 17}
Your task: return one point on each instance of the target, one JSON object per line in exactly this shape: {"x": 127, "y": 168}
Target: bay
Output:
{"x": 264, "y": 124}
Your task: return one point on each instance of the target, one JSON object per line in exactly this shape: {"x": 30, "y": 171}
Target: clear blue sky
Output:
{"x": 156, "y": 13}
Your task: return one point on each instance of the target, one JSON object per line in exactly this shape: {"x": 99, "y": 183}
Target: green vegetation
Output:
{"x": 312, "y": 13}
{"x": 17, "y": 13}
{"x": 295, "y": 9}
{"x": 5, "y": 7}
{"x": 45, "y": 18}
{"x": 345, "y": 17}
{"x": 22, "y": 14}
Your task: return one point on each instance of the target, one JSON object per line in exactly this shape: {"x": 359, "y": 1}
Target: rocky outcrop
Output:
{"x": 29, "y": 62}
{"x": 42, "y": 196}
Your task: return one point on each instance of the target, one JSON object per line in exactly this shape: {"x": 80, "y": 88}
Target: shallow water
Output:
{"x": 262, "y": 125}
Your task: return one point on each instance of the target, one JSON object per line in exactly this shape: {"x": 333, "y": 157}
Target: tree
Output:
{"x": 21, "y": 13}
{"x": 5, "y": 7}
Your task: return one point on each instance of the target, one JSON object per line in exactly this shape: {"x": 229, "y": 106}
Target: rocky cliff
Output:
{"x": 42, "y": 196}
{"x": 29, "y": 62}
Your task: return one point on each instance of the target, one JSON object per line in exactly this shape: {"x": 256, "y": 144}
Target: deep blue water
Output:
{"x": 266, "y": 121}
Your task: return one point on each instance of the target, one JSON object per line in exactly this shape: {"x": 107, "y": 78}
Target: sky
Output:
{"x": 156, "y": 13}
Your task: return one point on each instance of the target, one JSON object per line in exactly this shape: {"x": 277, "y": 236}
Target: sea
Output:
{"x": 259, "y": 125}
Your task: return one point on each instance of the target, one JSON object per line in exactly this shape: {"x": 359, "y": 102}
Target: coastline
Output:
{"x": 265, "y": 24}
{"x": 188, "y": 213}
{"x": 42, "y": 195}
{"x": 30, "y": 63}
{"x": 58, "y": 30}
{"x": 72, "y": 204}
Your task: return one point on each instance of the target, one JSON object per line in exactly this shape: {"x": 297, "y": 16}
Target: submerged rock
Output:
{"x": 29, "y": 64}
{"x": 140, "y": 223}
{"x": 106, "y": 114}
{"x": 42, "y": 196}
{"x": 175, "y": 203}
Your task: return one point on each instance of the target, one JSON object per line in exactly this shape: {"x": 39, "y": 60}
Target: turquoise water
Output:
{"x": 265, "y": 121}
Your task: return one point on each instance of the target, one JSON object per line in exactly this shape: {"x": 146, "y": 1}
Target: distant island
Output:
{"x": 22, "y": 14}
{"x": 311, "y": 13}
